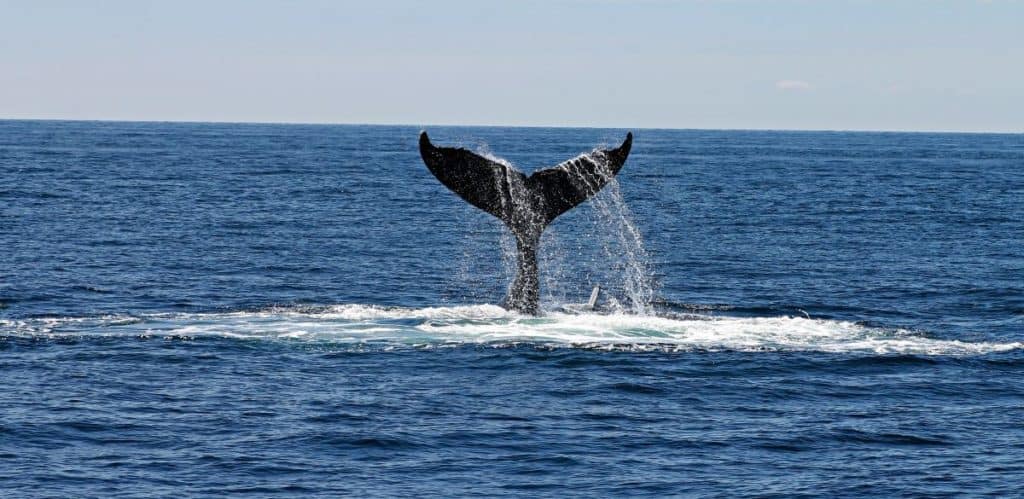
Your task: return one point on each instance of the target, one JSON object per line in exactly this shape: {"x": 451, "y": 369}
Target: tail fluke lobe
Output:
{"x": 477, "y": 180}
{"x": 563, "y": 187}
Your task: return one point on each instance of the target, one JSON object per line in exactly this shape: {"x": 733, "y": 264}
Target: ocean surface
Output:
{"x": 194, "y": 309}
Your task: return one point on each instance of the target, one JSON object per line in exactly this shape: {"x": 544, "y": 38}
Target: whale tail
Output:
{"x": 525, "y": 204}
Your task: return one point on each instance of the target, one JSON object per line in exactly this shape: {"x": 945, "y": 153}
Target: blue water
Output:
{"x": 198, "y": 309}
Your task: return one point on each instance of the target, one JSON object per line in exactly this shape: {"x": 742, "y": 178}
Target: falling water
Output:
{"x": 601, "y": 234}
{"x": 509, "y": 250}
{"x": 594, "y": 244}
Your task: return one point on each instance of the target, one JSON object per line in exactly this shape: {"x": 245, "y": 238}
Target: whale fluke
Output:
{"x": 525, "y": 204}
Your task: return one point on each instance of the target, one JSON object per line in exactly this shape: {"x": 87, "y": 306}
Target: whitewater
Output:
{"x": 197, "y": 309}
{"x": 360, "y": 326}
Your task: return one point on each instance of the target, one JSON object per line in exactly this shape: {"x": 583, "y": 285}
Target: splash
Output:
{"x": 355, "y": 326}
{"x": 604, "y": 248}
{"x": 623, "y": 250}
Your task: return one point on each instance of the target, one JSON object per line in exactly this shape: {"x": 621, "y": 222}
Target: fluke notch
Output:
{"x": 525, "y": 204}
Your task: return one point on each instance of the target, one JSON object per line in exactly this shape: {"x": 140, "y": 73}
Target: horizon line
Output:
{"x": 491, "y": 125}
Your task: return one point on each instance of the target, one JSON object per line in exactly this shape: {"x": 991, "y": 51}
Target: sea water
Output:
{"x": 199, "y": 309}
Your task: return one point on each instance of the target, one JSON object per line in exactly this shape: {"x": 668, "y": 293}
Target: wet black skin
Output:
{"x": 527, "y": 205}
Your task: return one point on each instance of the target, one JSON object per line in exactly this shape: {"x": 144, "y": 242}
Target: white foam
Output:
{"x": 489, "y": 324}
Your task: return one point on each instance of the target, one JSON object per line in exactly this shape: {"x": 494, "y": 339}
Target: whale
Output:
{"x": 525, "y": 204}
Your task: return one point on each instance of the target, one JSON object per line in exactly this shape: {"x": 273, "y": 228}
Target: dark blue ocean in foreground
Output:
{"x": 200, "y": 309}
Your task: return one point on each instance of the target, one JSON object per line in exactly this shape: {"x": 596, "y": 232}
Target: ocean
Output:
{"x": 199, "y": 309}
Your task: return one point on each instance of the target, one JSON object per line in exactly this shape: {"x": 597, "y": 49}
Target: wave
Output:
{"x": 494, "y": 326}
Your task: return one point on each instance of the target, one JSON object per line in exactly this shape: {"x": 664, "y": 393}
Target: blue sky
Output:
{"x": 847, "y": 65}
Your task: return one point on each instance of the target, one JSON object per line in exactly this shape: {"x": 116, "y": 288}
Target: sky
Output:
{"x": 926, "y": 65}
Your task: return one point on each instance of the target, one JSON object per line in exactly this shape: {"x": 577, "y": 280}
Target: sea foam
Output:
{"x": 490, "y": 325}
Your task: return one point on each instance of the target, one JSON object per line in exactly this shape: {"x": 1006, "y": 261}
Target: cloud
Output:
{"x": 895, "y": 88}
{"x": 793, "y": 85}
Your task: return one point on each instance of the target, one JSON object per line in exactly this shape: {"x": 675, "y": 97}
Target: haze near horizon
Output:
{"x": 935, "y": 66}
